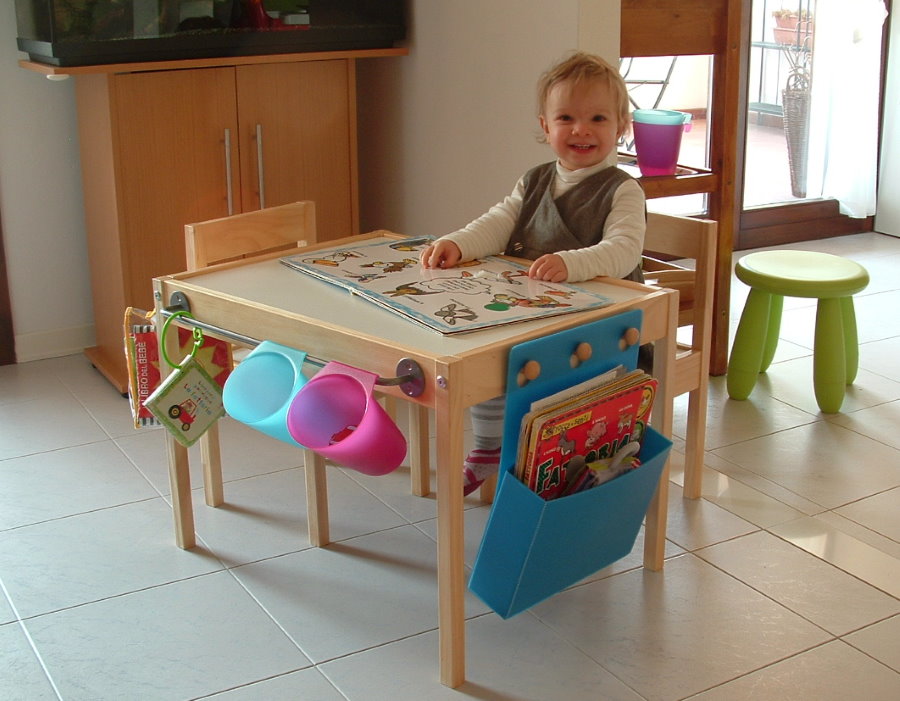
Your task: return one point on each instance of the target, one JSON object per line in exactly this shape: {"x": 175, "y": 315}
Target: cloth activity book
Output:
{"x": 478, "y": 294}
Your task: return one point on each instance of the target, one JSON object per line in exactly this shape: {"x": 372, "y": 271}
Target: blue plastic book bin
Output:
{"x": 531, "y": 548}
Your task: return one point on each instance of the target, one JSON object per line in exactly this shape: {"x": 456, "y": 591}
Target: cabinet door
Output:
{"x": 298, "y": 139}
{"x": 169, "y": 131}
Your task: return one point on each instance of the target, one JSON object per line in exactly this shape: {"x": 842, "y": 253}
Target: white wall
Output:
{"x": 444, "y": 133}
{"x": 41, "y": 206}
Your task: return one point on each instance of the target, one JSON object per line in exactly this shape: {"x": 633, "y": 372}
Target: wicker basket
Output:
{"x": 795, "y": 99}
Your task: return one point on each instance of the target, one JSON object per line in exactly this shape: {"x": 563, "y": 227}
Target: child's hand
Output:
{"x": 440, "y": 254}
{"x": 550, "y": 268}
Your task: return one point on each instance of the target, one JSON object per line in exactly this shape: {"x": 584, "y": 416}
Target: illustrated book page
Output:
{"x": 474, "y": 295}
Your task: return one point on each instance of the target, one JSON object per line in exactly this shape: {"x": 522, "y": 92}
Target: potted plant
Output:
{"x": 793, "y": 27}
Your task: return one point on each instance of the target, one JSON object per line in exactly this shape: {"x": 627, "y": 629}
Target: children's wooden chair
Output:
{"x": 671, "y": 237}
{"x": 668, "y": 238}
{"x": 249, "y": 234}
{"x": 231, "y": 238}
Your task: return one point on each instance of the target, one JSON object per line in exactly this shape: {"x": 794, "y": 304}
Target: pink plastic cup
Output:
{"x": 657, "y": 139}
{"x": 336, "y": 415}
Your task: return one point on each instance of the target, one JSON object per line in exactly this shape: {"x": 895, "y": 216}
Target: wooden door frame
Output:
{"x": 7, "y": 337}
{"x": 717, "y": 28}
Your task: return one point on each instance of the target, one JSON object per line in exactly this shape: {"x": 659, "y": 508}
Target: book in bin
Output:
{"x": 585, "y": 439}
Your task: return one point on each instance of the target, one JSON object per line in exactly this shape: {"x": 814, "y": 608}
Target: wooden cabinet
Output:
{"x": 167, "y": 144}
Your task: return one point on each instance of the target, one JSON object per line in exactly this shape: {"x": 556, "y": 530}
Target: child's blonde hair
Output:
{"x": 581, "y": 67}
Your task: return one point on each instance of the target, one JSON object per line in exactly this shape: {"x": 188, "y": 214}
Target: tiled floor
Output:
{"x": 782, "y": 582}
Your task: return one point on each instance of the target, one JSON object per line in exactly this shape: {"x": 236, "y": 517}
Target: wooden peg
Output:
{"x": 629, "y": 338}
{"x": 531, "y": 370}
{"x": 583, "y": 352}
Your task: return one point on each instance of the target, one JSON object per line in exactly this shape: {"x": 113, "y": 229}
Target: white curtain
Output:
{"x": 843, "y": 125}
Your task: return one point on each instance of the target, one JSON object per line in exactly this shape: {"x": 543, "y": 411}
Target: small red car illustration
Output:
{"x": 185, "y": 411}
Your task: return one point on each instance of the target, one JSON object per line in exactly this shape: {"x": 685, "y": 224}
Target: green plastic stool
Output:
{"x": 773, "y": 274}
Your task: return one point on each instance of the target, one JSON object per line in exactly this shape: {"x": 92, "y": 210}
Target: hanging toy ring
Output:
{"x": 197, "y": 333}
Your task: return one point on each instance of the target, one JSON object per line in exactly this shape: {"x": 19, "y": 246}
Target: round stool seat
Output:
{"x": 802, "y": 274}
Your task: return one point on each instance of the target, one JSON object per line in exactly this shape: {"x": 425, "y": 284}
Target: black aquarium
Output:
{"x": 91, "y": 32}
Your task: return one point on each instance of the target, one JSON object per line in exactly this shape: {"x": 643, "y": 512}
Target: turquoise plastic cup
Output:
{"x": 259, "y": 390}
{"x": 657, "y": 139}
{"x": 336, "y": 415}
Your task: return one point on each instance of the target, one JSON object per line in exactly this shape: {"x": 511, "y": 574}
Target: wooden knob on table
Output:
{"x": 583, "y": 352}
{"x": 629, "y": 338}
{"x": 530, "y": 371}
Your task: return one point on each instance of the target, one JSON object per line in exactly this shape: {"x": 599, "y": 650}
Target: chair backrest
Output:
{"x": 671, "y": 237}
{"x": 249, "y": 234}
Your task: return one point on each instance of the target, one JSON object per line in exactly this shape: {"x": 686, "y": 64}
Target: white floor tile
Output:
{"x": 305, "y": 684}
{"x": 265, "y": 516}
{"x": 352, "y": 595}
{"x": 23, "y": 678}
{"x": 880, "y": 358}
{"x": 791, "y": 382}
{"x": 671, "y": 634}
{"x": 828, "y": 464}
{"x": 41, "y": 425}
{"x": 175, "y": 641}
{"x": 517, "y": 659}
{"x": 832, "y": 672}
{"x": 72, "y": 561}
{"x": 842, "y": 550}
{"x": 878, "y": 513}
{"x": 245, "y": 453}
{"x": 49, "y": 485}
{"x": 881, "y": 641}
{"x": 801, "y": 582}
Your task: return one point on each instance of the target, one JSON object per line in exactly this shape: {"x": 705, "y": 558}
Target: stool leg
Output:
{"x": 851, "y": 343}
{"x": 829, "y": 364}
{"x": 747, "y": 351}
{"x": 776, "y": 304}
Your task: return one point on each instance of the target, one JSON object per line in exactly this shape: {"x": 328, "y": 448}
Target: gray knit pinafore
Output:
{"x": 573, "y": 220}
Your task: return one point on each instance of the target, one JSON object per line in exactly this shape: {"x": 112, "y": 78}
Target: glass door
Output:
{"x": 810, "y": 160}
{"x": 778, "y": 101}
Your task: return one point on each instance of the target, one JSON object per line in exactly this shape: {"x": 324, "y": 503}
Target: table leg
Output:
{"x": 420, "y": 475}
{"x": 211, "y": 459}
{"x": 662, "y": 420}
{"x": 316, "y": 498}
{"x": 180, "y": 486}
{"x": 451, "y": 583}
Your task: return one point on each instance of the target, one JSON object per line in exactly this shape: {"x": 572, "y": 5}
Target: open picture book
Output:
{"x": 474, "y": 295}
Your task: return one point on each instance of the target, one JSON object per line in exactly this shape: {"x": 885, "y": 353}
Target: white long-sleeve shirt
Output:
{"x": 617, "y": 255}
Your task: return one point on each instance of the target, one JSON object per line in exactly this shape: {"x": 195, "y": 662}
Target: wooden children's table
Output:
{"x": 261, "y": 298}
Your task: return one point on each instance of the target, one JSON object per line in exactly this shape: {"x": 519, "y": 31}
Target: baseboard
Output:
{"x": 53, "y": 344}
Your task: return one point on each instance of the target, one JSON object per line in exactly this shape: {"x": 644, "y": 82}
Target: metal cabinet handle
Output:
{"x": 228, "y": 179}
{"x": 259, "y": 167}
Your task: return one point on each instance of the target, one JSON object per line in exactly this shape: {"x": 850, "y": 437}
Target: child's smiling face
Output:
{"x": 581, "y": 122}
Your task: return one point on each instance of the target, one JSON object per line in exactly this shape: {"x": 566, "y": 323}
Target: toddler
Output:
{"x": 576, "y": 217}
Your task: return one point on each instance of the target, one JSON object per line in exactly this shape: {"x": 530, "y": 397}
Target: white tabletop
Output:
{"x": 273, "y": 284}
